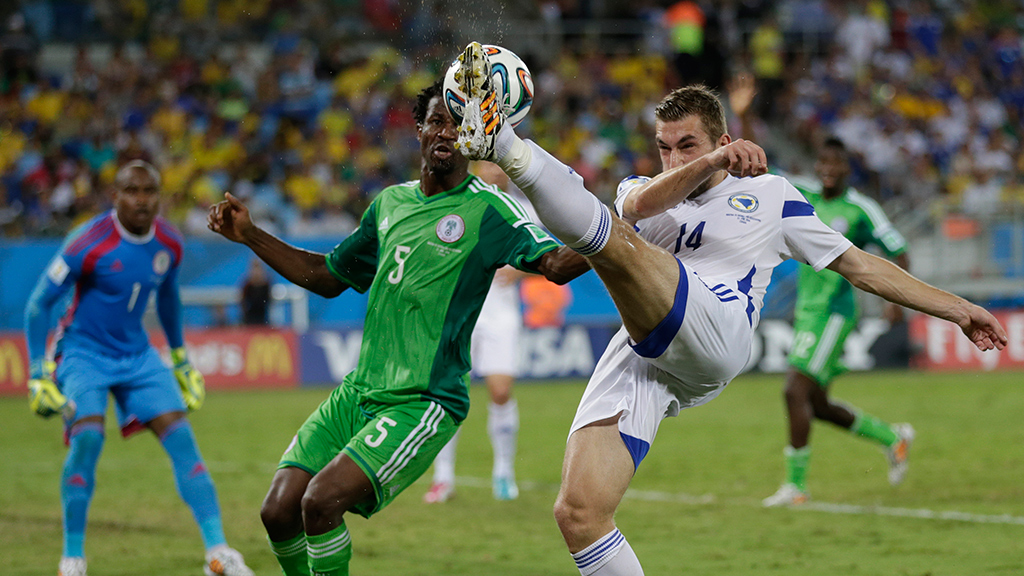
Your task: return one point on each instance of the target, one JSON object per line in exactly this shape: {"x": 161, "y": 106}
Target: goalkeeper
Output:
{"x": 115, "y": 262}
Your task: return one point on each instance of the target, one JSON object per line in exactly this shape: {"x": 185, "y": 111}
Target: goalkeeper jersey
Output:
{"x": 428, "y": 262}
{"x": 862, "y": 221}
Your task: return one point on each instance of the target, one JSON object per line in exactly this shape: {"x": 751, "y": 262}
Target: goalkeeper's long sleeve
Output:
{"x": 168, "y": 308}
{"x": 37, "y": 313}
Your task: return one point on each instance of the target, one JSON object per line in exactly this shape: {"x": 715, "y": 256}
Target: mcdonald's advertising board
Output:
{"x": 241, "y": 357}
{"x": 13, "y": 363}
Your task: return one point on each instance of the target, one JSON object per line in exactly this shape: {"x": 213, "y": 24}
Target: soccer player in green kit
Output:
{"x": 826, "y": 313}
{"x": 427, "y": 251}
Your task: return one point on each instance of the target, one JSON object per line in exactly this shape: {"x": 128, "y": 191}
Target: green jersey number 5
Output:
{"x": 401, "y": 253}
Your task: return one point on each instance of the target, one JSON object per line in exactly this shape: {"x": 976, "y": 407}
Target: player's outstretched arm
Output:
{"x": 879, "y": 276}
{"x": 740, "y": 158}
{"x": 562, "y": 265}
{"x": 230, "y": 218}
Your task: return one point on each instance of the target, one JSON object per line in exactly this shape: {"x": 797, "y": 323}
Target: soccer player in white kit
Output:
{"x": 494, "y": 351}
{"x": 688, "y": 281}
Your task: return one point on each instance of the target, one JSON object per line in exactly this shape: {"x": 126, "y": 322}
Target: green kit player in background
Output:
{"x": 826, "y": 313}
{"x": 427, "y": 251}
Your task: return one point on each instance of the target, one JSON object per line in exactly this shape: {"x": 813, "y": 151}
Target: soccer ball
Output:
{"x": 512, "y": 81}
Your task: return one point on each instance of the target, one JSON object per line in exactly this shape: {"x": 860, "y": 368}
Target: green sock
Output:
{"x": 871, "y": 427}
{"x": 797, "y": 460}
{"x": 291, "y": 555}
{"x": 329, "y": 553}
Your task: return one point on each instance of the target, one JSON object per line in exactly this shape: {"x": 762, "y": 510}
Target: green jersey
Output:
{"x": 862, "y": 221}
{"x": 428, "y": 263}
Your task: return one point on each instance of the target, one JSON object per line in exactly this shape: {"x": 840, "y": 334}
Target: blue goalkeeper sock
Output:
{"x": 193, "y": 480}
{"x": 77, "y": 482}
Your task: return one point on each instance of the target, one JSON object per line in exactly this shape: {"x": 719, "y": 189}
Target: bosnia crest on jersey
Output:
{"x": 743, "y": 202}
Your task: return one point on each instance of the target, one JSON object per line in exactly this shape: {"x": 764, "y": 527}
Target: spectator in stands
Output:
{"x": 255, "y": 300}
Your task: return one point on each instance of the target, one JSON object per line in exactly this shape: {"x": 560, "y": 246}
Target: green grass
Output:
{"x": 968, "y": 458}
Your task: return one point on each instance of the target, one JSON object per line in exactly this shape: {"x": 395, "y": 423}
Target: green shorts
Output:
{"x": 818, "y": 345}
{"x": 394, "y": 444}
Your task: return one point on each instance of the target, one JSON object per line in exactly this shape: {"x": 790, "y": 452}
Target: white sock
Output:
{"x": 611, "y": 555}
{"x": 444, "y": 463}
{"x": 564, "y": 205}
{"x": 503, "y": 428}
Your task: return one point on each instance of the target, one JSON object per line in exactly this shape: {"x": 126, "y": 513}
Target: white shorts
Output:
{"x": 702, "y": 350}
{"x": 494, "y": 347}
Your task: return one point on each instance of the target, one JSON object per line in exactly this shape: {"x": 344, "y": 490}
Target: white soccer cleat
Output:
{"x": 71, "y": 567}
{"x": 898, "y": 452}
{"x": 439, "y": 492}
{"x": 225, "y": 561}
{"x": 504, "y": 488}
{"x": 483, "y": 116}
{"x": 787, "y": 495}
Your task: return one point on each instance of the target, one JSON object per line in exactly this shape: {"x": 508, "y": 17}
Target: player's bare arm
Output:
{"x": 562, "y": 265}
{"x": 740, "y": 158}
{"x": 230, "y": 218}
{"x": 883, "y": 278}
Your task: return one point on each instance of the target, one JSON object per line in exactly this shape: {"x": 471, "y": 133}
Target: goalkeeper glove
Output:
{"x": 193, "y": 385}
{"x": 44, "y": 396}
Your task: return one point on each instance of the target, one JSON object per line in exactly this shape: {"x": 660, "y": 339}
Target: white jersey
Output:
{"x": 734, "y": 234}
{"x": 727, "y": 241}
{"x": 494, "y": 347}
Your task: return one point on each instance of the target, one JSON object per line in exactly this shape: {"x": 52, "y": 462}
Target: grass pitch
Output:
{"x": 694, "y": 508}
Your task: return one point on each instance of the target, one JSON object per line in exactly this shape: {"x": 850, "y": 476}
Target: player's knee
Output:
{"x": 324, "y": 504}
{"x": 279, "y": 516}
{"x": 572, "y": 515}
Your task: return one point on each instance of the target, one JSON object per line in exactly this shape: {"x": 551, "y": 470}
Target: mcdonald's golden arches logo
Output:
{"x": 268, "y": 355}
{"x": 12, "y": 365}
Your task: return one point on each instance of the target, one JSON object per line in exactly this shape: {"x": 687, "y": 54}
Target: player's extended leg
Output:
{"x": 195, "y": 486}
{"x": 503, "y": 428}
{"x": 596, "y": 472}
{"x": 627, "y": 264}
{"x": 78, "y": 482}
{"x": 281, "y": 514}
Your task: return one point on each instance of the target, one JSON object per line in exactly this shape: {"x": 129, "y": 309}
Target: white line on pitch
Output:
{"x": 659, "y": 496}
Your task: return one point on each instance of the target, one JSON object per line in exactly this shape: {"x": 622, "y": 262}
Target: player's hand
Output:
{"x": 193, "y": 385}
{"x": 230, "y": 218}
{"x": 45, "y": 397}
{"x": 742, "y": 90}
{"x": 983, "y": 329}
{"x": 741, "y": 158}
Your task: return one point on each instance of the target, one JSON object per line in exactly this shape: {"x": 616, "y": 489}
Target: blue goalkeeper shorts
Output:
{"x": 142, "y": 385}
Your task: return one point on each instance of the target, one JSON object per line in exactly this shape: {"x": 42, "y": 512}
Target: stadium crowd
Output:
{"x": 305, "y": 108}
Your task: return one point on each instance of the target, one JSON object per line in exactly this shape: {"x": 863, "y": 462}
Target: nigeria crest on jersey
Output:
{"x": 161, "y": 262}
{"x": 451, "y": 228}
{"x": 743, "y": 202}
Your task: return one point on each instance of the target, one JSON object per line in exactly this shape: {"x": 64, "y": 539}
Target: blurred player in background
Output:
{"x": 687, "y": 265}
{"x": 427, "y": 251}
{"x": 826, "y": 313}
{"x": 115, "y": 262}
{"x": 494, "y": 351}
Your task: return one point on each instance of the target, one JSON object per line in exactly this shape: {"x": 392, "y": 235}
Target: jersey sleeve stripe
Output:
{"x": 98, "y": 251}
{"x": 797, "y": 208}
{"x": 517, "y": 210}
{"x": 168, "y": 237}
{"x": 89, "y": 236}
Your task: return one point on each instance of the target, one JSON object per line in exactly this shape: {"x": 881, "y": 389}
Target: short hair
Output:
{"x": 834, "y": 143}
{"x": 133, "y": 165}
{"x": 419, "y": 111}
{"x": 694, "y": 100}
